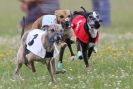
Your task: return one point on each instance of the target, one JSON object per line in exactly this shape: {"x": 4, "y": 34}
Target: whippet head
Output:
{"x": 94, "y": 20}
{"x": 63, "y": 18}
{"x": 54, "y": 32}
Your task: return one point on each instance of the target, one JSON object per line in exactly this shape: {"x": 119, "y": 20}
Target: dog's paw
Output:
{"x": 72, "y": 58}
{"x": 59, "y": 69}
{"x": 18, "y": 78}
{"x": 59, "y": 66}
{"x": 61, "y": 72}
{"x": 79, "y": 55}
{"x": 54, "y": 81}
{"x": 95, "y": 49}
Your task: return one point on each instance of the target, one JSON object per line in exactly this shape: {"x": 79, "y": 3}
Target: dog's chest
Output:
{"x": 78, "y": 24}
{"x": 34, "y": 43}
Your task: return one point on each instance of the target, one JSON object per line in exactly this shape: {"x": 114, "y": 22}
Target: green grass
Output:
{"x": 111, "y": 67}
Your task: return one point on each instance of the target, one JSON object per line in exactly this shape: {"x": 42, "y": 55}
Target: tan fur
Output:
{"x": 67, "y": 33}
{"x": 37, "y": 24}
{"x": 23, "y": 58}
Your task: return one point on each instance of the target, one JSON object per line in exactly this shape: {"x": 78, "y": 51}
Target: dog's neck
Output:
{"x": 46, "y": 43}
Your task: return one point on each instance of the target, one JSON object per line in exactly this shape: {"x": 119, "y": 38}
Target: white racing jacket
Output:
{"x": 34, "y": 43}
{"x": 48, "y": 20}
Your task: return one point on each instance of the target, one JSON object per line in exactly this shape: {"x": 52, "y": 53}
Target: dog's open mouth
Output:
{"x": 66, "y": 25}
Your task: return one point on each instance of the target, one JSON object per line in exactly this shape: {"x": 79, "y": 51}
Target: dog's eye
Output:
{"x": 69, "y": 16}
{"x": 97, "y": 16}
{"x": 52, "y": 30}
{"x": 61, "y": 16}
{"x": 91, "y": 16}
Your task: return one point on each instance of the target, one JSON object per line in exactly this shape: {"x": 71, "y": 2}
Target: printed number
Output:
{"x": 78, "y": 24}
{"x": 32, "y": 41}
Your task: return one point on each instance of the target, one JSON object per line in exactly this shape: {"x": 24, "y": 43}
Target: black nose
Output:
{"x": 66, "y": 24}
{"x": 97, "y": 25}
{"x": 58, "y": 39}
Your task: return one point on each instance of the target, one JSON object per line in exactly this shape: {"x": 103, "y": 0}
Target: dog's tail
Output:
{"x": 23, "y": 26}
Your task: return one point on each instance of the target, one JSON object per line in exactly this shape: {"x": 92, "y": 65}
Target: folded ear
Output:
{"x": 56, "y": 12}
{"x": 68, "y": 11}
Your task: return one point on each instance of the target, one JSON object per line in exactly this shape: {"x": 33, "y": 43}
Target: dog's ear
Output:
{"x": 56, "y": 12}
{"x": 68, "y": 11}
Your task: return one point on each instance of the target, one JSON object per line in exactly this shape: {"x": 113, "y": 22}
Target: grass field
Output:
{"x": 111, "y": 68}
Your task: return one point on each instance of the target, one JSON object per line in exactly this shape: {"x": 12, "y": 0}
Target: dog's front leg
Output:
{"x": 80, "y": 55}
{"x": 90, "y": 50}
{"x": 62, "y": 49}
{"x": 69, "y": 42}
{"x": 32, "y": 66}
{"x": 51, "y": 70}
{"x": 59, "y": 66}
{"x": 84, "y": 51}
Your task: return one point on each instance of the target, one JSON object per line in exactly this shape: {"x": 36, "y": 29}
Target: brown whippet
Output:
{"x": 27, "y": 57}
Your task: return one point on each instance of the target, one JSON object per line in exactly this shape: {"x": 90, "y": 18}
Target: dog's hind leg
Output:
{"x": 19, "y": 62}
{"x": 30, "y": 57}
{"x": 32, "y": 66}
{"x": 17, "y": 75}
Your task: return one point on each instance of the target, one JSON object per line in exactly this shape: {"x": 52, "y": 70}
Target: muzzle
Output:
{"x": 66, "y": 24}
{"x": 55, "y": 38}
{"x": 97, "y": 25}
{"x": 58, "y": 37}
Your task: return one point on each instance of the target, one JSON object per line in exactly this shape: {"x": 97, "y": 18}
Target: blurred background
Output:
{"x": 113, "y": 64}
{"x": 121, "y": 13}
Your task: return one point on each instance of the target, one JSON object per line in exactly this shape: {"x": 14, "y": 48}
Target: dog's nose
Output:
{"x": 67, "y": 19}
{"x": 67, "y": 24}
{"x": 58, "y": 38}
{"x": 97, "y": 25}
